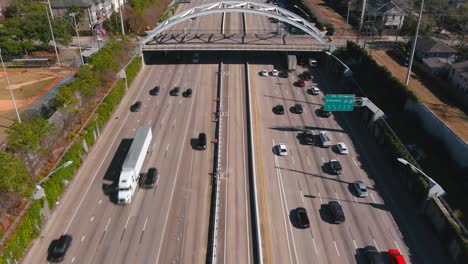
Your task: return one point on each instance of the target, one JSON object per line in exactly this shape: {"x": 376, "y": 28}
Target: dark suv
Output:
{"x": 187, "y": 93}
{"x": 336, "y": 211}
{"x": 175, "y": 91}
{"x": 58, "y": 248}
{"x": 373, "y": 255}
{"x": 149, "y": 181}
{"x": 201, "y": 142}
{"x": 297, "y": 108}
{"x": 136, "y": 106}
{"x": 278, "y": 109}
{"x": 321, "y": 111}
{"x": 302, "y": 218}
{"x": 155, "y": 90}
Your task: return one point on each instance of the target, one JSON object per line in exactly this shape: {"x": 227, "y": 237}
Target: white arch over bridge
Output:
{"x": 240, "y": 7}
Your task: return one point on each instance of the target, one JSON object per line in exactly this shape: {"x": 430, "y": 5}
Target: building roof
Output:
{"x": 388, "y": 7}
{"x": 427, "y": 44}
{"x": 461, "y": 68}
{"x": 77, "y": 3}
{"x": 435, "y": 63}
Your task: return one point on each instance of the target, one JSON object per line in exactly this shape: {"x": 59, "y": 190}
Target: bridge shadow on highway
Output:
{"x": 302, "y": 128}
{"x": 111, "y": 177}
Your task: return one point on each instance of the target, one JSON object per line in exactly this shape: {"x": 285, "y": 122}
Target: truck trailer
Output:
{"x": 292, "y": 62}
{"x": 130, "y": 174}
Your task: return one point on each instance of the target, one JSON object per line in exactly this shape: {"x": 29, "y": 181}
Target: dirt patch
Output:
{"x": 452, "y": 116}
{"x": 326, "y": 13}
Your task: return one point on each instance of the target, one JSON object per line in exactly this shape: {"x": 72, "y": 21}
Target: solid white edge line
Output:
{"x": 100, "y": 165}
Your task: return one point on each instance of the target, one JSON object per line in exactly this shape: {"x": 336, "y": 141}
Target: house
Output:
{"x": 458, "y": 77}
{"x": 385, "y": 16}
{"x": 434, "y": 54}
{"x": 94, "y": 11}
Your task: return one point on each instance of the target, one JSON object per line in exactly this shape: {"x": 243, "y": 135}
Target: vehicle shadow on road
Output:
{"x": 111, "y": 177}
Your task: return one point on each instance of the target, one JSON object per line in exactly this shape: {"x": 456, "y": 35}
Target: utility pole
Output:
{"x": 413, "y": 48}
{"x": 50, "y": 8}
{"x": 363, "y": 11}
{"x": 78, "y": 36}
{"x": 9, "y": 87}
{"x": 121, "y": 16}
{"x": 347, "y": 17}
{"x": 53, "y": 38}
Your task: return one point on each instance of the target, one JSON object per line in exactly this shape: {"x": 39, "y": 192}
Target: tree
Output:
{"x": 409, "y": 25}
{"x": 15, "y": 177}
{"x": 25, "y": 137}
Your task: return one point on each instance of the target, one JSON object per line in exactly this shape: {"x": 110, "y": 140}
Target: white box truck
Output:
{"x": 292, "y": 62}
{"x": 325, "y": 138}
{"x": 130, "y": 174}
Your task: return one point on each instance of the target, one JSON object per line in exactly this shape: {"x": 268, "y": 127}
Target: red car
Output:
{"x": 396, "y": 257}
{"x": 301, "y": 83}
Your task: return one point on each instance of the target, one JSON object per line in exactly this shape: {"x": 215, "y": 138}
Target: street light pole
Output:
{"x": 363, "y": 11}
{"x": 50, "y": 8}
{"x": 347, "y": 17}
{"x": 9, "y": 87}
{"x": 52, "y": 33}
{"x": 413, "y": 48}
{"x": 121, "y": 17}
{"x": 78, "y": 36}
{"x": 39, "y": 190}
{"x": 435, "y": 190}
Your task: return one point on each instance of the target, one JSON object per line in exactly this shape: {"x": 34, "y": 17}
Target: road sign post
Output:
{"x": 339, "y": 102}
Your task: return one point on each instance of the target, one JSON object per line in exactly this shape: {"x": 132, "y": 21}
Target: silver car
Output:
{"x": 361, "y": 189}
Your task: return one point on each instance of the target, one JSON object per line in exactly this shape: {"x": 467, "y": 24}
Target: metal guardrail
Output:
{"x": 215, "y": 194}
{"x": 258, "y": 258}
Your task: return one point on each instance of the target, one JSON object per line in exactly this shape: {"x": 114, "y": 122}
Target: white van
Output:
{"x": 312, "y": 63}
{"x": 325, "y": 139}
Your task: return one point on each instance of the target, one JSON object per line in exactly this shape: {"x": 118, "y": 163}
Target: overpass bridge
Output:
{"x": 160, "y": 39}
{"x": 261, "y": 41}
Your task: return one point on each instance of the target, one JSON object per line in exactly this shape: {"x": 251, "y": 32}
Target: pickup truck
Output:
{"x": 308, "y": 137}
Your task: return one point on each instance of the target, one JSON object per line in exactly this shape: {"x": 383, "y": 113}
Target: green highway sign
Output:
{"x": 339, "y": 102}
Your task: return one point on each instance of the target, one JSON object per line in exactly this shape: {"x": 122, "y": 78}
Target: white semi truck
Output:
{"x": 130, "y": 174}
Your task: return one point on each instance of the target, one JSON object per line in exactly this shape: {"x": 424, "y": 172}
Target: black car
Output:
{"x": 336, "y": 211}
{"x": 201, "y": 142}
{"x": 187, "y": 93}
{"x": 175, "y": 91}
{"x": 297, "y": 108}
{"x": 155, "y": 90}
{"x": 150, "y": 178}
{"x": 306, "y": 76}
{"x": 58, "y": 248}
{"x": 302, "y": 218}
{"x": 136, "y": 106}
{"x": 373, "y": 255}
{"x": 322, "y": 112}
{"x": 283, "y": 74}
{"x": 279, "y": 109}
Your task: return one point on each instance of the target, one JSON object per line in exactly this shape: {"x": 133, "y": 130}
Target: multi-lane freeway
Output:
{"x": 169, "y": 224}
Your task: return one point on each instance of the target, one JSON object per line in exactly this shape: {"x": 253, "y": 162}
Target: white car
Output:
{"x": 342, "y": 149}
{"x": 361, "y": 189}
{"x": 264, "y": 73}
{"x": 314, "y": 90}
{"x": 282, "y": 150}
{"x": 275, "y": 72}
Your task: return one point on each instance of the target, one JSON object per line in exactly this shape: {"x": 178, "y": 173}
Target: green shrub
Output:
{"x": 27, "y": 230}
